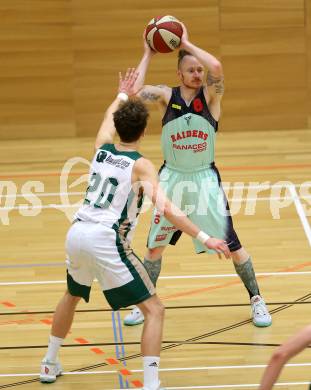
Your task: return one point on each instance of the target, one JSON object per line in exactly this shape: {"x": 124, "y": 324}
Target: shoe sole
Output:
{"x": 133, "y": 323}
{"x": 49, "y": 380}
{"x": 262, "y": 325}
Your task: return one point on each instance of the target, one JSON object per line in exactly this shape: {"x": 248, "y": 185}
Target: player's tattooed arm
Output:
{"x": 149, "y": 96}
{"x": 153, "y": 94}
{"x": 216, "y": 83}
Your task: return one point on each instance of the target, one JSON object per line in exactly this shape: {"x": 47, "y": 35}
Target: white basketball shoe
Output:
{"x": 260, "y": 313}
{"x": 158, "y": 388}
{"x": 135, "y": 317}
{"x": 50, "y": 371}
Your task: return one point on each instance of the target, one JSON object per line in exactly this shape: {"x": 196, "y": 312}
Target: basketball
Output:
{"x": 163, "y": 33}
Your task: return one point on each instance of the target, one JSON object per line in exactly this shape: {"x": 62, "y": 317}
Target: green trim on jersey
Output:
{"x": 76, "y": 289}
{"x": 133, "y": 292}
{"x": 111, "y": 148}
{"x": 119, "y": 296}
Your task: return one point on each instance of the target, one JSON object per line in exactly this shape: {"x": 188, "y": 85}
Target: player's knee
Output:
{"x": 239, "y": 256}
{"x": 71, "y": 299}
{"x": 154, "y": 253}
{"x": 156, "y": 310}
{"x": 159, "y": 310}
{"x": 280, "y": 355}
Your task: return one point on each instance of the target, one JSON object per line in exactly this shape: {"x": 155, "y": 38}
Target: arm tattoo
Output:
{"x": 217, "y": 82}
{"x": 149, "y": 96}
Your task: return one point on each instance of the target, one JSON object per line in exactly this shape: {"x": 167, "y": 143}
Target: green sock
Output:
{"x": 247, "y": 275}
{"x": 153, "y": 268}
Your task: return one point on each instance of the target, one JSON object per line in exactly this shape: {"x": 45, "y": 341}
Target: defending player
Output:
{"x": 191, "y": 113}
{"x": 98, "y": 242}
{"x": 282, "y": 354}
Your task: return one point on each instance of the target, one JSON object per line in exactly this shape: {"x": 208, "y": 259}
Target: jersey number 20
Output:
{"x": 97, "y": 182}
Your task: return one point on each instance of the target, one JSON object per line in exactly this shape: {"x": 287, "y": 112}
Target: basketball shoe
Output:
{"x": 158, "y": 388}
{"x": 135, "y": 317}
{"x": 260, "y": 313}
{"x": 50, "y": 371}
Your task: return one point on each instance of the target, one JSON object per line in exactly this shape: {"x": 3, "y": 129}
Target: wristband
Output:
{"x": 123, "y": 96}
{"x": 202, "y": 237}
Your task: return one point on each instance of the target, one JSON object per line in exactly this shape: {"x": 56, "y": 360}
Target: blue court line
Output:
{"x": 122, "y": 345}
{"x": 33, "y": 265}
{"x": 115, "y": 335}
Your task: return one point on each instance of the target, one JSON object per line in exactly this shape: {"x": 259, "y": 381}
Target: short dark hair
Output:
{"x": 130, "y": 120}
{"x": 181, "y": 54}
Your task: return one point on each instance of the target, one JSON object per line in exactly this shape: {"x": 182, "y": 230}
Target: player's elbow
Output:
{"x": 100, "y": 141}
{"x": 167, "y": 212}
{"x": 216, "y": 68}
{"x": 97, "y": 145}
{"x": 171, "y": 212}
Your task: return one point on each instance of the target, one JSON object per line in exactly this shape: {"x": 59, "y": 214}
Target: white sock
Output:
{"x": 53, "y": 348}
{"x": 151, "y": 372}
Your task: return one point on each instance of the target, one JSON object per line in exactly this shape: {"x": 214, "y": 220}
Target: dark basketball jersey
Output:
{"x": 188, "y": 132}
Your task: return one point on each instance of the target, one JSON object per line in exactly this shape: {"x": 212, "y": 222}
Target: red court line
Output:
{"x": 125, "y": 372}
{"x": 19, "y": 322}
{"x": 98, "y": 351}
{"x": 265, "y": 167}
{"x": 226, "y": 168}
{"x": 8, "y": 304}
{"x": 112, "y": 361}
{"x": 46, "y": 321}
{"x": 232, "y": 283}
{"x": 28, "y": 320}
{"x": 81, "y": 340}
{"x": 137, "y": 383}
{"x": 296, "y": 267}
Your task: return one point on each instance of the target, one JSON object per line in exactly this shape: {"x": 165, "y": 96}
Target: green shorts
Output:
{"x": 199, "y": 195}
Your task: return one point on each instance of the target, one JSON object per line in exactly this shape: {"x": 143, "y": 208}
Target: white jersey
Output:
{"x": 110, "y": 199}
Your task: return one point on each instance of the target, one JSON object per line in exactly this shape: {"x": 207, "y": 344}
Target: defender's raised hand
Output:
{"x": 126, "y": 83}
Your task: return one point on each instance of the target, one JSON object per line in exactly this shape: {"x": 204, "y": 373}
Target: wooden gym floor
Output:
{"x": 209, "y": 341}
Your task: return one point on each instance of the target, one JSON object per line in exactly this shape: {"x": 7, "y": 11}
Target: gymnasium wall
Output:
{"x": 59, "y": 61}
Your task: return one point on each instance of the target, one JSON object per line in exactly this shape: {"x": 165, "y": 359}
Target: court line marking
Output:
{"x": 181, "y": 369}
{"x": 64, "y": 206}
{"x": 229, "y": 386}
{"x": 204, "y": 368}
{"x": 264, "y": 187}
{"x": 234, "y": 275}
{"x": 229, "y": 284}
{"x": 31, "y": 265}
{"x": 301, "y": 212}
{"x": 42, "y": 194}
{"x": 169, "y": 277}
{"x": 165, "y": 348}
{"x": 224, "y": 168}
{"x": 70, "y": 206}
{"x": 234, "y": 386}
